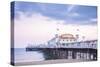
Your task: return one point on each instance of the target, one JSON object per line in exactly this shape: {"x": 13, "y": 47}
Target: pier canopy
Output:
{"x": 67, "y": 36}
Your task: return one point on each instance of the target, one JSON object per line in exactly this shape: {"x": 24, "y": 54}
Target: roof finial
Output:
{"x": 77, "y": 34}
{"x": 56, "y": 35}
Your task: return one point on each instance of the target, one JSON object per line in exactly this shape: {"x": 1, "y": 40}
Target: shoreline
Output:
{"x": 52, "y": 62}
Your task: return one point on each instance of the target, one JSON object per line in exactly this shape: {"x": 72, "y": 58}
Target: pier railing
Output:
{"x": 92, "y": 44}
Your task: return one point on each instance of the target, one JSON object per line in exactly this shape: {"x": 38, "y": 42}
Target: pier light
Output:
{"x": 77, "y": 34}
{"x": 83, "y": 37}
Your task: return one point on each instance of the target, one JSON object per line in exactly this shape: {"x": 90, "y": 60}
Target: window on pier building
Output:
{"x": 66, "y": 44}
{"x": 63, "y": 44}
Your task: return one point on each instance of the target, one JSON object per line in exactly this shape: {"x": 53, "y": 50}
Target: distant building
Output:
{"x": 62, "y": 39}
{"x": 70, "y": 41}
{"x": 67, "y": 38}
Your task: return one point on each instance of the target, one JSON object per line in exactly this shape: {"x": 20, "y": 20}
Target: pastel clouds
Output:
{"x": 38, "y": 29}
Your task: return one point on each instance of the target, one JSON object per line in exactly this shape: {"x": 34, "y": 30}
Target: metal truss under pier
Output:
{"x": 68, "y": 53}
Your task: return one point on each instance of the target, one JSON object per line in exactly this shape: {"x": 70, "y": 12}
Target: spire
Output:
{"x": 77, "y": 29}
{"x": 57, "y": 33}
{"x": 57, "y": 29}
{"x": 77, "y": 34}
{"x": 83, "y": 37}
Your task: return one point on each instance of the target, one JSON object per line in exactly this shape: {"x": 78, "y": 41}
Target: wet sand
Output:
{"x": 50, "y": 62}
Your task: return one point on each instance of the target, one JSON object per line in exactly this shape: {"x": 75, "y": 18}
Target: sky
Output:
{"x": 36, "y": 23}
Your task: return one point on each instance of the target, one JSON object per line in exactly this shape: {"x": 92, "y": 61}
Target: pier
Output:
{"x": 84, "y": 50}
{"x": 70, "y": 53}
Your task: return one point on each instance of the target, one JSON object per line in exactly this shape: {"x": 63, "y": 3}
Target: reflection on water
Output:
{"x": 22, "y": 56}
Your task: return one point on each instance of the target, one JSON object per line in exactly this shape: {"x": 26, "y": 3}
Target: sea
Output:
{"x": 21, "y": 55}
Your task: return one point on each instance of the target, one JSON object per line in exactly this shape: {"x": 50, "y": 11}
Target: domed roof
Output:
{"x": 67, "y": 36}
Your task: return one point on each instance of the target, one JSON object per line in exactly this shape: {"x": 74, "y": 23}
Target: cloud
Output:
{"x": 57, "y": 11}
{"x": 71, "y": 13}
{"x": 70, "y": 8}
{"x": 93, "y": 20}
{"x": 74, "y": 14}
{"x": 38, "y": 29}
